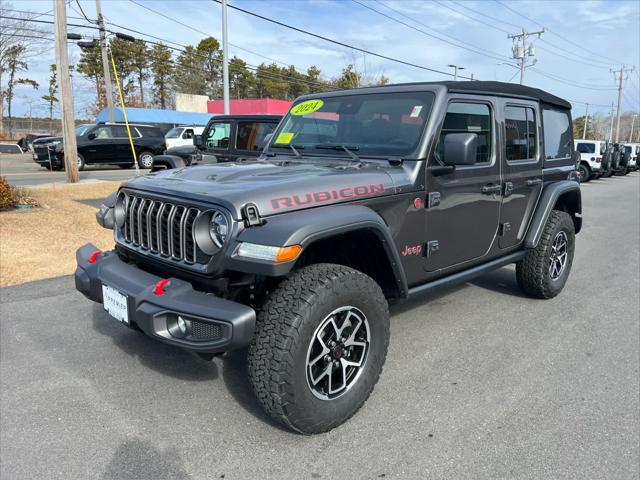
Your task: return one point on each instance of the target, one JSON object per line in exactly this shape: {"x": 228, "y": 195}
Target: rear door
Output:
{"x": 522, "y": 169}
{"x": 122, "y": 145}
{"x": 249, "y": 137}
{"x": 464, "y": 205}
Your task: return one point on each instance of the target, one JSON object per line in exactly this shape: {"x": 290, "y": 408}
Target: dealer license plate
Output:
{"x": 115, "y": 303}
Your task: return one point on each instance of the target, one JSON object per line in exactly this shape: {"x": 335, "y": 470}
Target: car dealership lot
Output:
{"x": 22, "y": 171}
{"x": 480, "y": 382}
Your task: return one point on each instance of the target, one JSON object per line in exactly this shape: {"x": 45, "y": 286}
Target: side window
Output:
{"x": 218, "y": 135}
{"x": 188, "y": 133}
{"x": 520, "y": 133}
{"x": 251, "y": 134}
{"x": 103, "y": 133}
{"x": 120, "y": 131}
{"x": 558, "y": 137}
{"x": 586, "y": 148}
{"x": 469, "y": 118}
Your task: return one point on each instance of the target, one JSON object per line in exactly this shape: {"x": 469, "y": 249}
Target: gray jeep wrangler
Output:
{"x": 361, "y": 198}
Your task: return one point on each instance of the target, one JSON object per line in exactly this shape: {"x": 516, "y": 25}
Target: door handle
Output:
{"x": 490, "y": 189}
{"x": 533, "y": 182}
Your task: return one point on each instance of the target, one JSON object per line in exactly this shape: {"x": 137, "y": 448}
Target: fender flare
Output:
{"x": 548, "y": 200}
{"x": 308, "y": 226}
{"x": 166, "y": 162}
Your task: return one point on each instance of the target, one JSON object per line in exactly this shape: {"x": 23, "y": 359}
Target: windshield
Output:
{"x": 174, "y": 133}
{"x": 383, "y": 124}
{"x": 82, "y": 129}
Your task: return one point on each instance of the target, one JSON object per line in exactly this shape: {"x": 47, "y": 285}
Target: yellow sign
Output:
{"x": 285, "y": 137}
{"x": 309, "y": 106}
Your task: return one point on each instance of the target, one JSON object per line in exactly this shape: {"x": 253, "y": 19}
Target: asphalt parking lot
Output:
{"x": 480, "y": 382}
{"x": 22, "y": 171}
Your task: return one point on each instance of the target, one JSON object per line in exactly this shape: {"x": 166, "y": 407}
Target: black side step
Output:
{"x": 466, "y": 275}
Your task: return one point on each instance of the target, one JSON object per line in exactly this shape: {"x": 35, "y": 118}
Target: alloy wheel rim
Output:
{"x": 146, "y": 160}
{"x": 559, "y": 255}
{"x": 337, "y": 353}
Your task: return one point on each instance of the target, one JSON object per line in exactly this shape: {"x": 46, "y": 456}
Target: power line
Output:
{"x": 495, "y": 56}
{"x": 336, "y": 42}
{"x": 570, "y": 82}
{"x": 495, "y": 19}
{"x": 553, "y": 32}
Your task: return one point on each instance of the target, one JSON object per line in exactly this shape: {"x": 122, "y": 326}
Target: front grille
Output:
{"x": 164, "y": 228}
{"x": 205, "y": 330}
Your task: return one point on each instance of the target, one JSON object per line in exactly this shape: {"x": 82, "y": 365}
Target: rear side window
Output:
{"x": 251, "y": 134}
{"x": 469, "y": 118}
{"x": 586, "y": 148}
{"x": 120, "y": 131}
{"x": 151, "y": 132}
{"x": 557, "y": 134}
{"x": 520, "y": 133}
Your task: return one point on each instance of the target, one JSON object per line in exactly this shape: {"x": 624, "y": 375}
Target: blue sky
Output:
{"x": 585, "y": 40}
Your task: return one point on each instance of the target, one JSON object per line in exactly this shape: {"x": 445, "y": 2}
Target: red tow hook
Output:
{"x": 94, "y": 256}
{"x": 160, "y": 284}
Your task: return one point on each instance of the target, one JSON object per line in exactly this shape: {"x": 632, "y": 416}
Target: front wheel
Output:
{"x": 80, "y": 162}
{"x": 320, "y": 343}
{"x": 145, "y": 160}
{"x": 545, "y": 269}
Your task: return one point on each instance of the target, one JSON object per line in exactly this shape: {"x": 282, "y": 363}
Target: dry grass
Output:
{"x": 41, "y": 242}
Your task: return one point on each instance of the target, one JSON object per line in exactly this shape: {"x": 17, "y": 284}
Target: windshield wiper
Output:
{"x": 293, "y": 149}
{"x": 349, "y": 149}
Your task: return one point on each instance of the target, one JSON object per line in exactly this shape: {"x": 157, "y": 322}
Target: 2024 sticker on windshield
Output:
{"x": 309, "y": 106}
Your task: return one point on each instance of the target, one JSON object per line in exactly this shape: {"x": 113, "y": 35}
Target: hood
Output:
{"x": 275, "y": 187}
{"x": 45, "y": 140}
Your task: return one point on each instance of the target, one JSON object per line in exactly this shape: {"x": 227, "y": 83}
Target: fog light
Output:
{"x": 178, "y": 327}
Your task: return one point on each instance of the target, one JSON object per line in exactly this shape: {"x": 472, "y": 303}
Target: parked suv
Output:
{"x": 362, "y": 197}
{"x": 621, "y": 159}
{"x": 633, "y": 149}
{"x": 591, "y": 152}
{"x": 104, "y": 143}
{"x": 182, "y": 136}
{"x": 226, "y": 138}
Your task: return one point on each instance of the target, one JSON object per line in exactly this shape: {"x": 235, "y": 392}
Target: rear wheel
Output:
{"x": 584, "y": 173}
{"x": 145, "y": 159}
{"x": 545, "y": 269}
{"x": 320, "y": 343}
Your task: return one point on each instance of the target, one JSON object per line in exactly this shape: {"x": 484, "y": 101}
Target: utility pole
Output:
{"x": 225, "y": 60}
{"x": 611, "y": 126}
{"x": 66, "y": 99}
{"x": 108, "y": 87}
{"x": 622, "y": 72}
{"x": 633, "y": 121}
{"x": 586, "y": 122}
{"x": 455, "y": 71}
{"x": 525, "y": 50}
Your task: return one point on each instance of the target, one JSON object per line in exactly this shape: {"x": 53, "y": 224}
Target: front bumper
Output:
{"x": 232, "y": 323}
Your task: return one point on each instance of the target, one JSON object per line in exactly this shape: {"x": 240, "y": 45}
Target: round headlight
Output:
{"x": 218, "y": 228}
{"x": 120, "y": 210}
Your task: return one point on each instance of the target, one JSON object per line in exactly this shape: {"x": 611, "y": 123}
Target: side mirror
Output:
{"x": 198, "y": 141}
{"x": 91, "y": 136}
{"x": 267, "y": 138}
{"x": 460, "y": 148}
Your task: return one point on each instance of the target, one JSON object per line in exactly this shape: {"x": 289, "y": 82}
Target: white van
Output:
{"x": 591, "y": 152}
{"x": 182, "y": 135}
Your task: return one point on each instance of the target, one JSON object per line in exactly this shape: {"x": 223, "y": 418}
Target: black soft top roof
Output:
{"x": 505, "y": 89}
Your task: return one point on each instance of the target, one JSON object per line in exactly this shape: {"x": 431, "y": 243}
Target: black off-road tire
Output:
{"x": 532, "y": 272}
{"x": 585, "y": 173}
{"x": 286, "y": 324}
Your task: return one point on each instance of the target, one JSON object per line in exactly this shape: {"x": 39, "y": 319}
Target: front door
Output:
{"x": 522, "y": 169}
{"x": 100, "y": 149}
{"x": 463, "y": 206}
{"x": 217, "y": 140}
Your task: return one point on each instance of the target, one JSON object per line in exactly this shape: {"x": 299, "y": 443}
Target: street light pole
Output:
{"x": 455, "y": 71}
{"x": 108, "y": 87}
{"x": 225, "y": 60}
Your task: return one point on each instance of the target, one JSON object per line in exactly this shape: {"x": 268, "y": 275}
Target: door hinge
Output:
{"x": 432, "y": 247}
{"x": 251, "y": 215}
{"x": 504, "y": 229}
{"x": 433, "y": 199}
{"x": 508, "y": 188}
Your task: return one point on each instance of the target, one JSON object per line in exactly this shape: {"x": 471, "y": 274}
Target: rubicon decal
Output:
{"x": 307, "y": 199}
